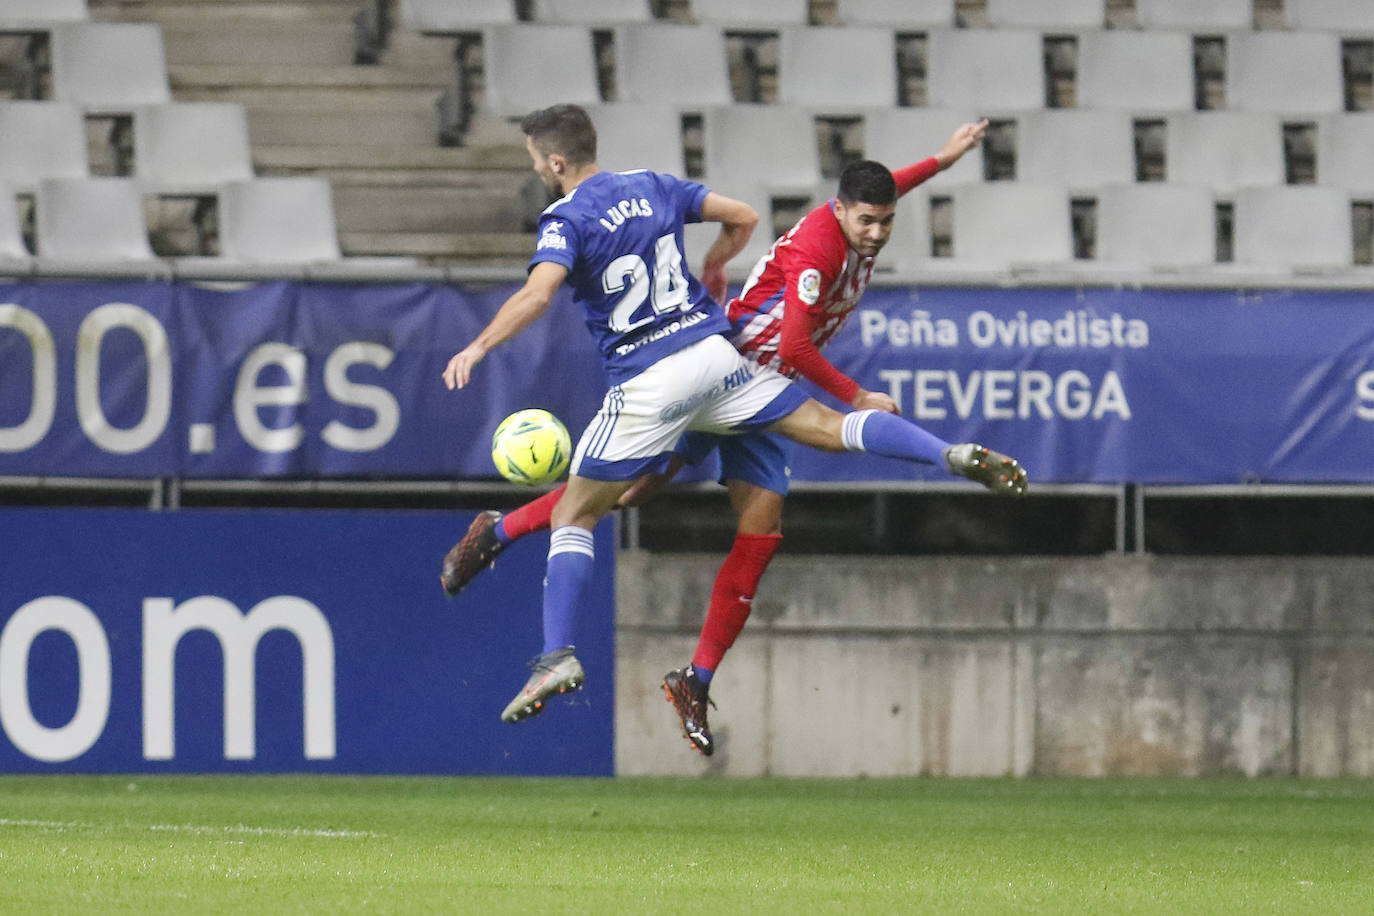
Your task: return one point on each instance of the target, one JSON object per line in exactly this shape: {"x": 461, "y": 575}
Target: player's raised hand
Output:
{"x": 961, "y": 141}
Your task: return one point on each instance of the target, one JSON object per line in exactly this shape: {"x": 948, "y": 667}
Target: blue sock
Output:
{"x": 889, "y": 435}
{"x": 499, "y": 529}
{"x": 703, "y": 674}
{"x": 571, "y": 557}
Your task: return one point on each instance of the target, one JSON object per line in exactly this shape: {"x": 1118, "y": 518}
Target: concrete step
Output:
{"x": 281, "y": 126}
{"x": 180, "y": 11}
{"x": 486, "y": 248}
{"x": 477, "y": 160}
{"x": 425, "y": 209}
{"x": 256, "y": 42}
{"x": 293, "y": 77}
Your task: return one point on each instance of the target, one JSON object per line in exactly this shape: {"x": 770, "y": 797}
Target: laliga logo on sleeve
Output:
{"x": 809, "y": 286}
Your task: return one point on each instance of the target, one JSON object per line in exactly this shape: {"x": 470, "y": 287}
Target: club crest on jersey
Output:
{"x": 809, "y": 286}
{"x": 552, "y": 236}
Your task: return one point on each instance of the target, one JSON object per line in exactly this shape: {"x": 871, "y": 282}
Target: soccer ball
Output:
{"x": 531, "y": 446}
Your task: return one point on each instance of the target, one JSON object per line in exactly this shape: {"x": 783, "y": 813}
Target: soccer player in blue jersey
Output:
{"x": 616, "y": 239}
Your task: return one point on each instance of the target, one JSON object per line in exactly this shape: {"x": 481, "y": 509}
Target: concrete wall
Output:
{"x": 979, "y": 667}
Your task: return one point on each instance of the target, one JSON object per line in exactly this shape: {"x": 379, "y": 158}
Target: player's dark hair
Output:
{"x": 563, "y": 129}
{"x": 867, "y": 182}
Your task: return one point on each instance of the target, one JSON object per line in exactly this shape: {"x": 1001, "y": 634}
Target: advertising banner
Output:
{"x": 298, "y": 379}
{"x": 274, "y": 641}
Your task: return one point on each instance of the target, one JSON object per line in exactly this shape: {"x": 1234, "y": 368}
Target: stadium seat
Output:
{"x": 1224, "y": 150}
{"x": 638, "y": 135}
{"x": 1156, "y": 226}
{"x": 22, "y": 15}
{"x": 1292, "y": 72}
{"x": 41, "y": 140}
{"x": 516, "y": 85}
{"x": 772, "y": 145}
{"x": 816, "y": 67}
{"x": 670, "y": 64}
{"x": 1081, "y": 148}
{"x": 900, "y": 136}
{"x": 903, "y": 14}
{"x": 1011, "y": 223}
{"x": 1335, "y": 15}
{"x": 602, "y": 11}
{"x": 91, "y": 219}
{"x": 109, "y": 68}
{"x": 278, "y": 221}
{"x": 1189, "y": 15}
{"x": 1046, "y": 14}
{"x": 191, "y": 147}
{"x": 11, "y": 236}
{"x": 985, "y": 69}
{"x": 1345, "y": 151}
{"x": 444, "y": 17}
{"x": 1135, "y": 71}
{"x": 1300, "y": 227}
{"x": 753, "y": 12}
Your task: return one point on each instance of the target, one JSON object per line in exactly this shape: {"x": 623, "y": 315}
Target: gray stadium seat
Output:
{"x": 1345, "y": 151}
{"x": 191, "y": 147}
{"x": 985, "y": 69}
{"x": 900, "y": 136}
{"x": 1190, "y": 15}
{"x": 534, "y": 66}
{"x": 697, "y": 237}
{"x": 752, "y": 12}
{"x": 903, "y": 14}
{"x": 446, "y": 17}
{"x": 1156, "y": 225}
{"x": 22, "y": 15}
{"x": 1224, "y": 150}
{"x": 11, "y": 237}
{"x": 773, "y": 145}
{"x": 108, "y": 67}
{"x": 41, "y": 140}
{"x": 669, "y": 64}
{"x": 1293, "y": 72}
{"x": 1081, "y": 148}
{"x": 1011, "y": 223}
{"x": 1336, "y": 15}
{"x": 1135, "y": 71}
{"x": 1046, "y": 14}
{"x": 816, "y": 67}
{"x": 91, "y": 219}
{"x": 638, "y": 135}
{"x": 278, "y": 221}
{"x": 1297, "y": 226}
{"x": 602, "y": 11}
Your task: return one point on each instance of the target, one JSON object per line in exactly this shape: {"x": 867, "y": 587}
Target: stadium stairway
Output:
{"x": 370, "y": 129}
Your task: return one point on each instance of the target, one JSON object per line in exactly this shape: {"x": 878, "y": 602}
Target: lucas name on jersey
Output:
{"x": 617, "y": 215}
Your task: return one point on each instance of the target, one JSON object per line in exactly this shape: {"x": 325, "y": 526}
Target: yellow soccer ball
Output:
{"x": 531, "y": 447}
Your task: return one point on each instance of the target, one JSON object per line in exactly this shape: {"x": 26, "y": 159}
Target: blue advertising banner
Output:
{"x": 298, "y": 379}
{"x": 273, "y": 641}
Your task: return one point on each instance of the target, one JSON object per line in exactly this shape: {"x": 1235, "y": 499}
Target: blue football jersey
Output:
{"x": 620, "y": 236}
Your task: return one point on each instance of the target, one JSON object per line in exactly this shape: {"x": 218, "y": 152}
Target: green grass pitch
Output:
{"x": 270, "y": 845}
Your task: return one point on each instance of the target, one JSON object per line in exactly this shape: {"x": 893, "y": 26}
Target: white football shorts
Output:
{"x": 707, "y": 386}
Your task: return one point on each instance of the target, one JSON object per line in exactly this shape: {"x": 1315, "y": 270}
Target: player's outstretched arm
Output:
{"x": 737, "y": 220}
{"x": 515, "y": 314}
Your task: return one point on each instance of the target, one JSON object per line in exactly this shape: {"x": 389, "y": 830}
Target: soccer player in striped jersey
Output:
{"x": 616, "y": 238}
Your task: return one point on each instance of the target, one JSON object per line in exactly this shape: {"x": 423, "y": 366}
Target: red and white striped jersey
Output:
{"x": 803, "y": 290}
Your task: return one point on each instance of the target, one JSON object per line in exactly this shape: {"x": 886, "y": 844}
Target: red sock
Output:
{"x": 532, "y": 516}
{"x": 732, "y": 596}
